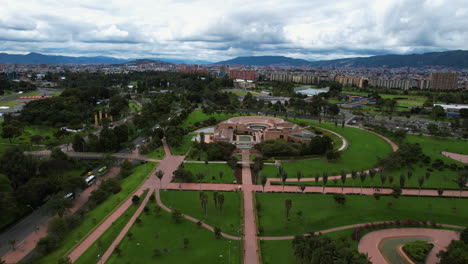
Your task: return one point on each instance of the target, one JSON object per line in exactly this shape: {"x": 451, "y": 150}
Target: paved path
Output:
{"x": 26, "y": 246}
{"x": 250, "y": 226}
{"x": 455, "y": 156}
{"x": 370, "y": 243}
{"x": 344, "y": 228}
{"x": 168, "y": 165}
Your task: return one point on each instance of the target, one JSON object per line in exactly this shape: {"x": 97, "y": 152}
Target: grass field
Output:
{"x": 362, "y": 153}
{"x": 212, "y": 170}
{"x": 188, "y": 203}
{"x": 47, "y": 134}
{"x": 319, "y": 212}
{"x": 184, "y": 147}
{"x": 162, "y": 233}
{"x": 157, "y": 153}
{"x": 198, "y": 116}
{"x": 101, "y": 212}
{"x": 432, "y": 147}
{"x": 106, "y": 239}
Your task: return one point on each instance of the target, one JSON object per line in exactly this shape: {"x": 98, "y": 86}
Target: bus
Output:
{"x": 90, "y": 180}
{"x": 102, "y": 170}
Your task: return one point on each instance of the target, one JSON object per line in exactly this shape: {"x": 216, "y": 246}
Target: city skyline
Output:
{"x": 214, "y": 31}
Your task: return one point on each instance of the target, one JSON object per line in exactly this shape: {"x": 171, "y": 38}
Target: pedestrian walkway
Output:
{"x": 455, "y": 156}
{"x": 27, "y": 245}
{"x": 250, "y": 226}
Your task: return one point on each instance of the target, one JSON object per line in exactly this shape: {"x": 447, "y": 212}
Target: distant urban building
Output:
{"x": 244, "y": 84}
{"x": 352, "y": 81}
{"x": 444, "y": 80}
{"x": 404, "y": 84}
{"x": 295, "y": 78}
{"x": 424, "y": 84}
{"x": 244, "y": 75}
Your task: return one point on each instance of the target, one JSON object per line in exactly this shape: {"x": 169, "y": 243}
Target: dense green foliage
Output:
{"x": 322, "y": 249}
{"x": 319, "y": 145}
{"x": 417, "y": 250}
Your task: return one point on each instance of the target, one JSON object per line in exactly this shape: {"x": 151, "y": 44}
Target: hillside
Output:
{"x": 37, "y": 58}
{"x": 265, "y": 61}
{"x": 455, "y": 59}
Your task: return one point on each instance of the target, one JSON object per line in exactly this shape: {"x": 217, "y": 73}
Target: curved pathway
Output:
{"x": 455, "y": 156}
{"x": 370, "y": 243}
{"x": 344, "y": 228}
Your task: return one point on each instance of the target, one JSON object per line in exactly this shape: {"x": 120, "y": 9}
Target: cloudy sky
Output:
{"x": 215, "y": 30}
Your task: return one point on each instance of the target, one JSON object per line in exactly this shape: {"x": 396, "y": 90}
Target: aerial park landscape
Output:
{"x": 234, "y": 132}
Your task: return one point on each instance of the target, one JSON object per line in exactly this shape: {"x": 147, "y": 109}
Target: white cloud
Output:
{"x": 215, "y": 30}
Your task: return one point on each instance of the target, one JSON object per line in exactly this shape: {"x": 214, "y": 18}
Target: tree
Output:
{"x": 203, "y": 201}
{"x": 461, "y": 181}
{"x": 11, "y": 131}
{"x": 438, "y": 112}
{"x": 402, "y": 180}
{"x": 232, "y": 162}
{"x": 264, "y": 181}
{"x": 324, "y": 180}
{"x": 217, "y": 233}
{"x": 221, "y": 175}
{"x": 299, "y": 176}
{"x": 78, "y": 143}
{"x": 135, "y": 199}
{"x": 156, "y": 253}
{"x": 58, "y": 204}
{"x": 64, "y": 260}
{"x": 302, "y": 187}
{"x": 220, "y": 201}
{"x": 176, "y": 216}
{"x": 288, "y": 206}
{"x": 340, "y": 199}
{"x": 130, "y": 235}
{"x": 396, "y": 192}
{"x": 456, "y": 253}
{"x": 343, "y": 179}
{"x": 12, "y": 244}
{"x": 383, "y": 178}
{"x": 420, "y": 183}
{"x": 186, "y": 242}
{"x": 160, "y": 175}
{"x": 433, "y": 129}
{"x": 372, "y": 173}
{"x": 362, "y": 177}
{"x": 215, "y": 199}
{"x": 283, "y": 176}
{"x": 118, "y": 251}
{"x": 440, "y": 191}
{"x": 317, "y": 178}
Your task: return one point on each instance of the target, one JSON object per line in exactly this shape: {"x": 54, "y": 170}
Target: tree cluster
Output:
{"x": 318, "y": 145}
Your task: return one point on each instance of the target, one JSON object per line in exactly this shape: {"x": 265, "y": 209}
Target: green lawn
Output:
{"x": 198, "y": 116}
{"x": 211, "y": 170}
{"x": 47, "y": 134}
{"x": 432, "y": 146}
{"x": 184, "y": 147}
{"x": 10, "y": 103}
{"x": 162, "y": 233}
{"x": 188, "y": 203}
{"x": 270, "y": 171}
{"x": 157, "y": 153}
{"x": 362, "y": 153}
{"x": 58, "y": 93}
{"x": 98, "y": 214}
{"x": 319, "y": 212}
{"x": 106, "y": 239}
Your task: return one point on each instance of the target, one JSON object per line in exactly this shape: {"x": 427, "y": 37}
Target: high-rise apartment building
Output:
{"x": 244, "y": 75}
{"x": 444, "y": 80}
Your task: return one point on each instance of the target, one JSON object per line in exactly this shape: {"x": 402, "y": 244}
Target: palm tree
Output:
{"x": 353, "y": 176}
{"x": 288, "y": 206}
{"x": 410, "y": 173}
{"x": 402, "y": 180}
{"x": 284, "y": 176}
{"x": 299, "y": 176}
{"x": 203, "y": 201}
{"x": 118, "y": 251}
{"x": 12, "y": 243}
{"x": 221, "y": 175}
{"x": 421, "y": 183}
{"x": 217, "y": 232}
{"x": 362, "y": 176}
{"x": 302, "y": 187}
{"x": 215, "y": 199}
{"x": 343, "y": 180}
{"x": 160, "y": 175}
{"x": 324, "y": 180}
{"x": 317, "y": 178}
{"x": 383, "y": 178}
{"x": 390, "y": 179}
{"x": 200, "y": 177}
{"x": 428, "y": 175}
{"x": 461, "y": 181}
{"x": 220, "y": 201}
{"x": 372, "y": 173}
{"x": 264, "y": 181}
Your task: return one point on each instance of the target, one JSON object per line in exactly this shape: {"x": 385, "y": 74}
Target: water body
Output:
{"x": 389, "y": 248}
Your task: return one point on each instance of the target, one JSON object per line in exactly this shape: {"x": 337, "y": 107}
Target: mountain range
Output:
{"x": 455, "y": 59}
{"x": 265, "y": 61}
